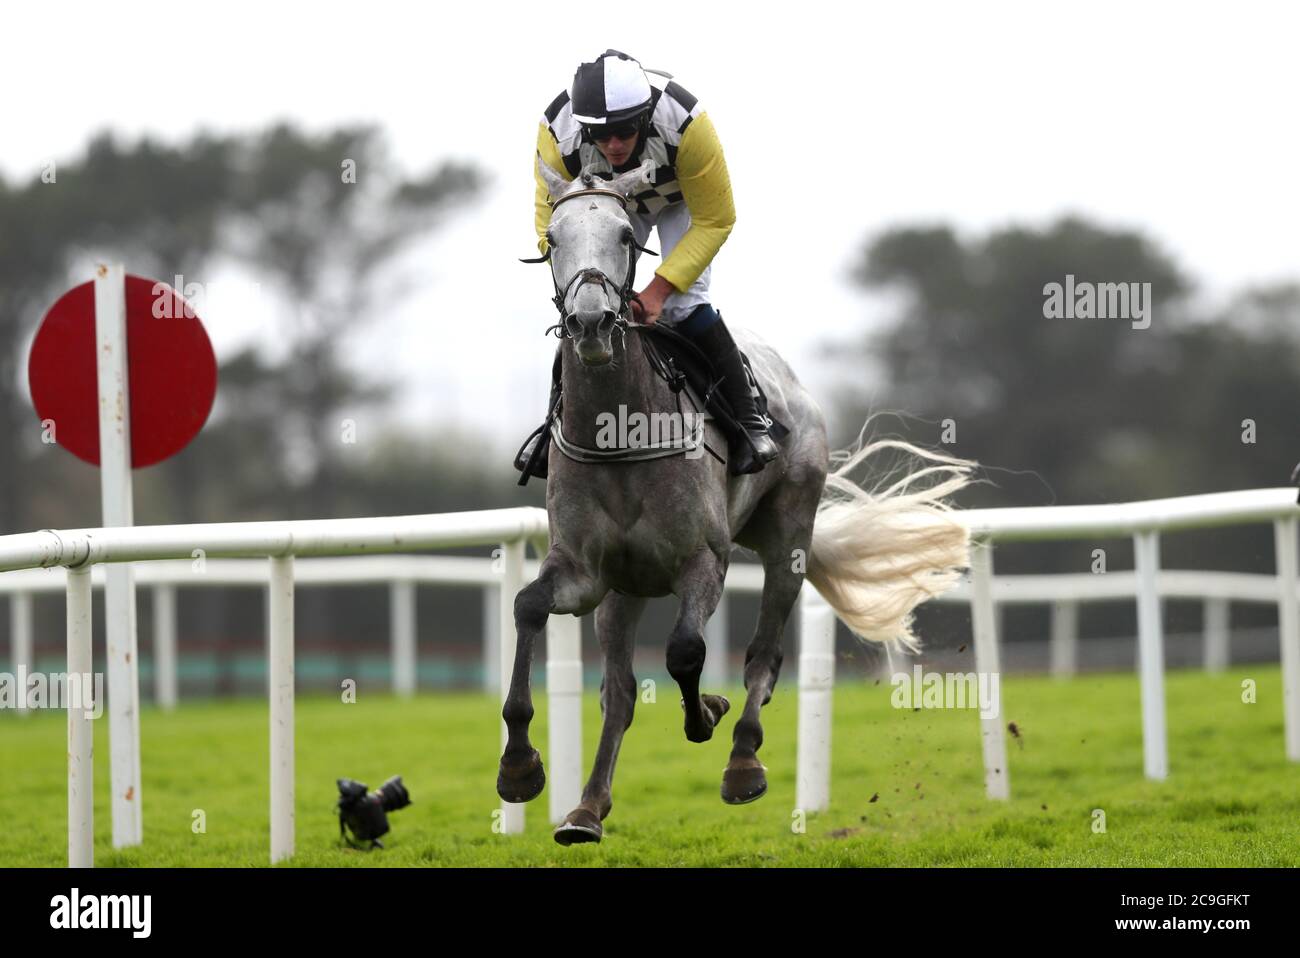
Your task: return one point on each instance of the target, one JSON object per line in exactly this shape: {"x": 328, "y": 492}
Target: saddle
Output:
{"x": 688, "y": 373}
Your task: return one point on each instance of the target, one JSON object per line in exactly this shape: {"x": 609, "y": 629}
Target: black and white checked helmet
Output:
{"x": 612, "y": 89}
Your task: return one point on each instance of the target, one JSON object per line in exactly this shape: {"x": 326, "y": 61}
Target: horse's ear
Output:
{"x": 626, "y": 183}
{"x": 556, "y": 185}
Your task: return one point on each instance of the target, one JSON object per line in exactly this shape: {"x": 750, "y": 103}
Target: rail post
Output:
{"x": 715, "y": 647}
{"x": 1151, "y": 655}
{"x": 164, "y": 646}
{"x": 81, "y": 734}
{"x": 816, "y": 684}
{"x": 20, "y": 640}
{"x": 1215, "y": 619}
{"x": 279, "y": 608}
{"x": 984, "y": 623}
{"x": 401, "y": 624}
{"x": 1288, "y": 627}
{"x": 1065, "y": 638}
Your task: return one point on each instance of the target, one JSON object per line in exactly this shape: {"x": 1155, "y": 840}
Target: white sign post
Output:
{"x": 119, "y": 590}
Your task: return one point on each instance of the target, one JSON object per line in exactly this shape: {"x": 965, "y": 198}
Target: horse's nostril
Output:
{"x": 572, "y": 324}
{"x": 607, "y": 321}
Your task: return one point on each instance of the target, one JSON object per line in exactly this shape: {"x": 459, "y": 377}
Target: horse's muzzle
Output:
{"x": 593, "y": 352}
{"x": 590, "y": 332}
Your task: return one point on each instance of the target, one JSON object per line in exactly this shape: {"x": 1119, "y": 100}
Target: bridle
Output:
{"x": 626, "y": 294}
{"x": 626, "y": 291}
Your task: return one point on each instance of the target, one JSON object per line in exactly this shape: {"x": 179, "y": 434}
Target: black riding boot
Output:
{"x": 751, "y": 451}
{"x": 541, "y": 436}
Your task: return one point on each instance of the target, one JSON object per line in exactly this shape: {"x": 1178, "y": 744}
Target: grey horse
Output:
{"x": 622, "y": 532}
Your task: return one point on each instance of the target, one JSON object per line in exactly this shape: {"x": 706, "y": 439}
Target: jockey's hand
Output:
{"x": 652, "y": 300}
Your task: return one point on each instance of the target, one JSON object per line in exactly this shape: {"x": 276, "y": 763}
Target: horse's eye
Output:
{"x": 627, "y": 236}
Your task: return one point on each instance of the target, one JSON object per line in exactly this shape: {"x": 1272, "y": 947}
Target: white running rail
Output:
{"x": 290, "y": 546}
{"x": 280, "y": 542}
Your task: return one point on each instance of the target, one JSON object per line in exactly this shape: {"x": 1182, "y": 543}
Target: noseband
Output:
{"x": 626, "y": 292}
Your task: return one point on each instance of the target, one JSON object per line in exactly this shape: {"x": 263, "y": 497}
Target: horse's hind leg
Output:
{"x": 781, "y": 533}
{"x": 699, "y": 588}
{"x": 616, "y": 619}
{"x": 521, "y": 776}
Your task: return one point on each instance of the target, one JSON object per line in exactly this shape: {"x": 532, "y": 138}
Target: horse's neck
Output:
{"x": 628, "y": 381}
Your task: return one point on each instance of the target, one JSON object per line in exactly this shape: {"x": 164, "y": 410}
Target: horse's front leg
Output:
{"x": 616, "y": 620}
{"x": 557, "y": 588}
{"x": 699, "y": 587}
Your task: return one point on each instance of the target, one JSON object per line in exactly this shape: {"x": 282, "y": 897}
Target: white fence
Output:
{"x": 402, "y": 573}
{"x": 1065, "y": 592}
{"x": 80, "y": 550}
{"x": 1145, "y": 521}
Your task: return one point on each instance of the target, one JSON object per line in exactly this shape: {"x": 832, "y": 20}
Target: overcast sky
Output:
{"x": 838, "y": 120}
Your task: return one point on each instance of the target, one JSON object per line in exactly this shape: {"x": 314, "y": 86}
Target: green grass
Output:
{"x": 1231, "y": 798}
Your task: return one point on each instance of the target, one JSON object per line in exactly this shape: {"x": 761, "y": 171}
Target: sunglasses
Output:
{"x": 624, "y": 131}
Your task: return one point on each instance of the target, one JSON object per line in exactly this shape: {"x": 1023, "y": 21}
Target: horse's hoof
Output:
{"x": 521, "y": 782}
{"x": 713, "y": 707}
{"x": 740, "y": 786}
{"x": 579, "y": 826}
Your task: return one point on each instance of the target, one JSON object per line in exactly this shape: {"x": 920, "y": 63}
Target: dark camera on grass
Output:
{"x": 364, "y": 814}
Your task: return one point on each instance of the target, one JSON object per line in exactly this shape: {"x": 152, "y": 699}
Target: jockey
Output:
{"x": 614, "y": 117}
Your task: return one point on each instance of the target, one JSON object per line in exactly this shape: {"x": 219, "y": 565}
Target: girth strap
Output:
{"x": 658, "y": 450}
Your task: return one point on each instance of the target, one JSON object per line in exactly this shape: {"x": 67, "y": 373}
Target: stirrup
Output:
{"x": 752, "y": 451}
{"x": 532, "y": 455}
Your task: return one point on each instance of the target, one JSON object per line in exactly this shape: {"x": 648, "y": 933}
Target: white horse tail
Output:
{"x": 878, "y": 554}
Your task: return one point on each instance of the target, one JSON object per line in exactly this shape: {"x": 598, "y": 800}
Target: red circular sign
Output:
{"x": 171, "y": 370}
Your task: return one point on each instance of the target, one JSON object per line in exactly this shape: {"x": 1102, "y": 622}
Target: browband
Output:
{"x": 592, "y": 191}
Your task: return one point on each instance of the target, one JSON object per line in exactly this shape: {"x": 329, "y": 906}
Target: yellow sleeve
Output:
{"x": 550, "y": 152}
{"x": 706, "y": 189}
